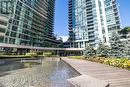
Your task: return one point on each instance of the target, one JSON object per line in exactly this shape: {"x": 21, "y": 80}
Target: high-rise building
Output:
{"x": 27, "y": 22}
{"x": 92, "y": 21}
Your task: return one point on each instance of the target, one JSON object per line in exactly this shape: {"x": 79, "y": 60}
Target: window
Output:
{"x": 5, "y": 7}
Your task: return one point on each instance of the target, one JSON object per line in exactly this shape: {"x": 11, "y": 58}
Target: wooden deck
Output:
{"x": 116, "y": 77}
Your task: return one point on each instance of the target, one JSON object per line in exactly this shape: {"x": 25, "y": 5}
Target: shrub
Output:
{"x": 76, "y": 57}
{"x": 33, "y": 54}
{"x": 116, "y": 62}
{"x": 47, "y": 54}
{"x": 126, "y": 64}
{"x": 96, "y": 59}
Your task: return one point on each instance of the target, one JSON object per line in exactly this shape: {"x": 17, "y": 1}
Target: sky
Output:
{"x": 61, "y": 16}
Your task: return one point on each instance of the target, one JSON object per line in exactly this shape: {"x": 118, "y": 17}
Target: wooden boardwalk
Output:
{"x": 116, "y": 77}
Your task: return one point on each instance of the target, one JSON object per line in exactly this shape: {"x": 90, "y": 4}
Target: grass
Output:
{"x": 76, "y": 57}
{"x": 14, "y": 56}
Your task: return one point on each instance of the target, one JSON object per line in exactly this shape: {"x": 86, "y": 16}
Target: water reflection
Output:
{"x": 10, "y": 65}
{"x": 47, "y": 73}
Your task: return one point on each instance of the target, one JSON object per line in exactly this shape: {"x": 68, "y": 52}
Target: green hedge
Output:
{"x": 32, "y": 54}
{"x": 47, "y": 54}
{"x": 14, "y": 56}
{"x": 76, "y": 57}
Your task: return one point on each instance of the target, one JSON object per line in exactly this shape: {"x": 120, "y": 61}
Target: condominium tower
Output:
{"x": 92, "y": 22}
{"x": 27, "y": 22}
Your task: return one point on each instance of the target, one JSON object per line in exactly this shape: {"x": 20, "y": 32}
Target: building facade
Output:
{"x": 27, "y": 22}
{"x": 92, "y": 21}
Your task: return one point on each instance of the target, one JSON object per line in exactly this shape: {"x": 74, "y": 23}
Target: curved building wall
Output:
{"x": 30, "y": 22}
{"x": 92, "y": 21}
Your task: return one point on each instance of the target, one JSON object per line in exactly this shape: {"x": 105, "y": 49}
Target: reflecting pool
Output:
{"x": 49, "y": 72}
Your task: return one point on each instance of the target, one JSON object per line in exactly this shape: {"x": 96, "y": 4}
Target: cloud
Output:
{"x": 65, "y": 38}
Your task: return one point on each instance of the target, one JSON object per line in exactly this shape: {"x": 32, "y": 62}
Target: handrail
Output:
{"x": 39, "y": 48}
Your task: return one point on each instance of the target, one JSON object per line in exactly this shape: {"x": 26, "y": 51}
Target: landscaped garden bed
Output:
{"x": 116, "y": 62}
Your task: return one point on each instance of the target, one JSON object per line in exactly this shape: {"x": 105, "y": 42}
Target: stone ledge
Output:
{"x": 87, "y": 81}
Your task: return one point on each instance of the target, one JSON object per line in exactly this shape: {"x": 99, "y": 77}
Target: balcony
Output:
{"x": 2, "y": 34}
{"x": 3, "y": 18}
{"x": 3, "y": 26}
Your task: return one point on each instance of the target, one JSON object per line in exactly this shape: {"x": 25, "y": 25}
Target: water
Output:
{"x": 37, "y": 73}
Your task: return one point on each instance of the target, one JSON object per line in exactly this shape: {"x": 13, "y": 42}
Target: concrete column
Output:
{"x": 105, "y": 22}
{"x": 78, "y": 44}
{"x": 83, "y": 44}
{"x": 70, "y": 45}
{"x": 99, "y": 20}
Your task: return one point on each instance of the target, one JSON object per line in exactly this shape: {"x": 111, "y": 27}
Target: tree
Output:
{"x": 128, "y": 45}
{"x": 118, "y": 48}
{"x": 103, "y": 50}
{"x": 125, "y": 37}
{"x": 89, "y": 51}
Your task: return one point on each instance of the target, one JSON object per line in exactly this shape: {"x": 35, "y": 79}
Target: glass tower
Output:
{"x": 27, "y": 22}
{"x": 92, "y": 21}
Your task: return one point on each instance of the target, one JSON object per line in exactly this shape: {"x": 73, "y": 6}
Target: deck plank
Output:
{"x": 115, "y": 76}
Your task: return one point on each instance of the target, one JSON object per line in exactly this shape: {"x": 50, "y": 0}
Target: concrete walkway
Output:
{"x": 116, "y": 77}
